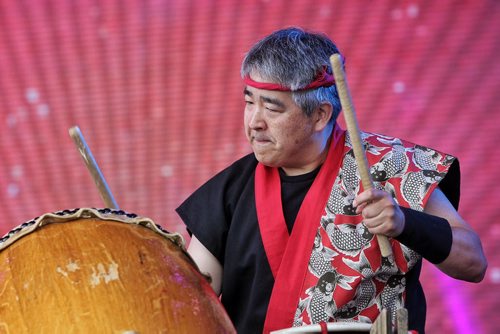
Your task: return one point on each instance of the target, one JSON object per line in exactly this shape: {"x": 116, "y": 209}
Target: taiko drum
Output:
{"x": 102, "y": 271}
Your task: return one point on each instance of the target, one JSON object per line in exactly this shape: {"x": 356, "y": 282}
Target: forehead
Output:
{"x": 282, "y": 99}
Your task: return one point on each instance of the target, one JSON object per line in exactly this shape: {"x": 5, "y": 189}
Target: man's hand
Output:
{"x": 381, "y": 214}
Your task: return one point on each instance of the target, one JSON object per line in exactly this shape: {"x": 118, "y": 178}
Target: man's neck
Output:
{"x": 312, "y": 165}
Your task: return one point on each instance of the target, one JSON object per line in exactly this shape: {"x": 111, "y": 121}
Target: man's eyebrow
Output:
{"x": 272, "y": 101}
{"x": 266, "y": 99}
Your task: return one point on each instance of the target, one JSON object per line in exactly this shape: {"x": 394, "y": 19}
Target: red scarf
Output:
{"x": 288, "y": 255}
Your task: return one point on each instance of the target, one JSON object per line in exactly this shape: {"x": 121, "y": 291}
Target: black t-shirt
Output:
{"x": 293, "y": 192}
{"x": 222, "y": 215}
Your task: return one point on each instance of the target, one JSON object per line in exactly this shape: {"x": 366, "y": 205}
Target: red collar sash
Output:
{"x": 288, "y": 255}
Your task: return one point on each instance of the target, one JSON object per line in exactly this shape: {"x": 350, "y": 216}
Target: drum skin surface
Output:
{"x": 99, "y": 276}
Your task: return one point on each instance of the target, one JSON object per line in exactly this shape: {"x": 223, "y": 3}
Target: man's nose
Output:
{"x": 257, "y": 120}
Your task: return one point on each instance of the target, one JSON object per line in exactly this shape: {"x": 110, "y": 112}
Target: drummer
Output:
{"x": 287, "y": 232}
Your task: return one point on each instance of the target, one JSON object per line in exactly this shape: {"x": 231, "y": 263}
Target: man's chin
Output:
{"x": 265, "y": 160}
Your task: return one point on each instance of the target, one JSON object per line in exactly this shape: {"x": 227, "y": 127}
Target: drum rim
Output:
{"x": 66, "y": 216}
{"x": 345, "y": 326}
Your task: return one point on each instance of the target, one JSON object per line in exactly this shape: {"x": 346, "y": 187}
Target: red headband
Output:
{"x": 323, "y": 79}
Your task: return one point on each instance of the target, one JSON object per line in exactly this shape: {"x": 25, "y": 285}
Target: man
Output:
{"x": 287, "y": 233}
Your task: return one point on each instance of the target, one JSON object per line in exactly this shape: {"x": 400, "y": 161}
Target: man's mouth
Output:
{"x": 260, "y": 139}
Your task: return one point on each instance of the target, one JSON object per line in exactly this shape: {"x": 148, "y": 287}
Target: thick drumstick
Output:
{"x": 94, "y": 170}
{"x": 353, "y": 129}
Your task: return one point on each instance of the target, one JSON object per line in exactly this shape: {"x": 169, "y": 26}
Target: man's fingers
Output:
{"x": 368, "y": 196}
{"x": 360, "y": 207}
{"x": 373, "y": 227}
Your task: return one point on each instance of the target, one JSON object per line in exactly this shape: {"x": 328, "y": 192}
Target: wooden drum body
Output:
{"x": 90, "y": 271}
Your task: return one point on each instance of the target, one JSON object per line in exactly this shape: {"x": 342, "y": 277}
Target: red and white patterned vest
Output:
{"x": 347, "y": 279}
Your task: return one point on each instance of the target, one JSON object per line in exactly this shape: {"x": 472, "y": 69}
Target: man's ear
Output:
{"x": 323, "y": 115}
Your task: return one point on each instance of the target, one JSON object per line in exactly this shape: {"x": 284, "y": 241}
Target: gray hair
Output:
{"x": 293, "y": 57}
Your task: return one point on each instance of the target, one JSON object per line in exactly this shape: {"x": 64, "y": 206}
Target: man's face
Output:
{"x": 278, "y": 130}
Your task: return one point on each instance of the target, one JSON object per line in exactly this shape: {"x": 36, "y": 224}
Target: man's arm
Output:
{"x": 206, "y": 262}
{"x": 465, "y": 261}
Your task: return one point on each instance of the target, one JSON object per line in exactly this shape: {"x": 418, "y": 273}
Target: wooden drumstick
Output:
{"x": 94, "y": 170}
{"x": 354, "y": 133}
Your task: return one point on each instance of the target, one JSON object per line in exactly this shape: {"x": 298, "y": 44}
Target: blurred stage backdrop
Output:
{"x": 154, "y": 86}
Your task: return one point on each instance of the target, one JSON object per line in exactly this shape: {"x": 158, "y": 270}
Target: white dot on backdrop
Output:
{"x": 32, "y": 95}
{"x": 495, "y": 275}
{"x": 412, "y": 10}
{"x": 398, "y": 87}
{"x": 167, "y": 171}
{"x": 12, "y": 190}
{"x": 42, "y": 110}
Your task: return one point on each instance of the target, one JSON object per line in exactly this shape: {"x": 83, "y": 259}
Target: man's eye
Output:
{"x": 248, "y": 102}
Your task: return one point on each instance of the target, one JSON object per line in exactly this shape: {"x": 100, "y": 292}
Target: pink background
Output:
{"x": 154, "y": 86}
